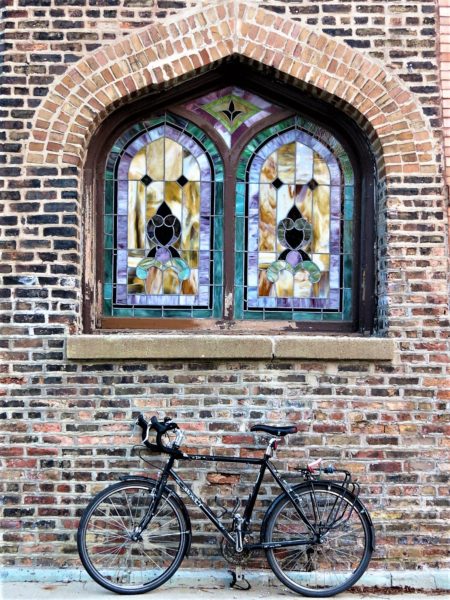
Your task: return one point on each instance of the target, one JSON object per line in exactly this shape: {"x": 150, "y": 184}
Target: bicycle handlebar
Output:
{"x": 161, "y": 427}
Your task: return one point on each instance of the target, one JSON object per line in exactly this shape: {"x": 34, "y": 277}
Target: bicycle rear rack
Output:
{"x": 342, "y": 509}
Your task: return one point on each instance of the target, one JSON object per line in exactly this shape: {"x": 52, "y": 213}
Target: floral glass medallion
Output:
{"x": 231, "y": 111}
{"x": 163, "y": 229}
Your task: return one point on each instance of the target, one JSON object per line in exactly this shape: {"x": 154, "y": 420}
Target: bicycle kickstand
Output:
{"x": 239, "y": 582}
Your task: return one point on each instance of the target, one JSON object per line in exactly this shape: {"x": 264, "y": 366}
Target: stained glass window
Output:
{"x": 170, "y": 196}
{"x": 163, "y": 222}
{"x": 294, "y": 226}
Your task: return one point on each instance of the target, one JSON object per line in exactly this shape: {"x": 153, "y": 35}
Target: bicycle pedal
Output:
{"x": 238, "y": 581}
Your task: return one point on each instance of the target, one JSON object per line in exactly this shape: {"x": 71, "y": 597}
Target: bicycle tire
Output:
{"x": 107, "y": 551}
{"x": 319, "y": 569}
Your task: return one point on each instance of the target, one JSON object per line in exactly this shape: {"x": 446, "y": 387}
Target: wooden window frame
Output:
{"x": 294, "y": 101}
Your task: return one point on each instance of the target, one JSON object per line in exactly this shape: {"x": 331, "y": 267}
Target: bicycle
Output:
{"x": 317, "y": 535}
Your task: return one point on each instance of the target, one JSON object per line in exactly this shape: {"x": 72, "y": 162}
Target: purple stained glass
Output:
{"x": 163, "y": 189}
{"x": 293, "y": 227}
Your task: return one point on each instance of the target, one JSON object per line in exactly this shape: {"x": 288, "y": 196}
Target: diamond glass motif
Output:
{"x": 182, "y": 181}
{"x": 146, "y": 180}
{"x": 277, "y": 183}
{"x": 231, "y": 111}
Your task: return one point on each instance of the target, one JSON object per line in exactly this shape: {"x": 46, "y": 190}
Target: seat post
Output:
{"x": 271, "y": 447}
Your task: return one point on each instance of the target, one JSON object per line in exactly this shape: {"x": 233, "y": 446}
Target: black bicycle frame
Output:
{"x": 264, "y": 463}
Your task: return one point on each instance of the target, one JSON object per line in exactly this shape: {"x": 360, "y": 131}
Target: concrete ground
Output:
{"x": 91, "y": 591}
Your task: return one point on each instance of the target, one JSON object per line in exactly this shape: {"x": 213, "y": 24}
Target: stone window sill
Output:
{"x": 249, "y": 347}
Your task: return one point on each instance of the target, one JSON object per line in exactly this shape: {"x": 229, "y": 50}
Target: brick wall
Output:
{"x": 66, "y": 424}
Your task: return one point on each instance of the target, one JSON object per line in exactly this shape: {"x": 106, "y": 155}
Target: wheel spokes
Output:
{"x": 322, "y": 564}
{"x": 118, "y": 559}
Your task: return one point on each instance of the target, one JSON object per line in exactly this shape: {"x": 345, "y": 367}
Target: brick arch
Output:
{"x": 196, "y": 40}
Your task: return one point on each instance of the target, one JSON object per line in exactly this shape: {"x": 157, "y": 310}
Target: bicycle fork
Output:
{"x": 155, "y": 498}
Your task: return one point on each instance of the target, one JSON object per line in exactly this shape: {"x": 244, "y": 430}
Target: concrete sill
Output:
{"x": 249, "y": 347}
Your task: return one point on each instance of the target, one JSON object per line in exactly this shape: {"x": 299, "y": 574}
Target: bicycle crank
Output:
{"x": 231, "y": 556}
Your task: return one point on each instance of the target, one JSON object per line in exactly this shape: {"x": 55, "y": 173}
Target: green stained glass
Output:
{"x": 307, "y": 316}
{"x": 348, "y": 237}
{"x": 107, "y": 291}
{"x": 108, "y": 241}
{"x": 241, "y": 171}
{"x": 107, "y": 306}
{"x": 338, "y": 316}
{"x": 108, "y": 278}
{"x": 240, "y": 199}
{"x": 347, "y": 301}
{"x": 239, "y": 268}
{"x": 123, "y": 312}
{"x": 231, "y": 111}
{"x": 218, "y": 239}
{"x": 240, "y": 232}
{"x": 109, "y": 197}
{"x": 348, "y": 270}
{"x": 219, "y": 199}
{"x": 109, "y": 224}
{"x": 180, "y": 313}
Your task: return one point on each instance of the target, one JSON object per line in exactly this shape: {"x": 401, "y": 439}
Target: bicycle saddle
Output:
{"x": 275, "y": 430}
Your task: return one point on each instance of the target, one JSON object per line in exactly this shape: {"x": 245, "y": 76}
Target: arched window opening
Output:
{"x": 228, "y": 209}
{"x": 162, "y": 222}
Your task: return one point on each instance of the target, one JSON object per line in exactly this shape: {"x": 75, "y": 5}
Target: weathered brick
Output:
{"x": 386, "y": 421}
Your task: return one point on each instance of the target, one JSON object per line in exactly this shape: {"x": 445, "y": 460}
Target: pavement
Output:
{"x": 91, "y": 591}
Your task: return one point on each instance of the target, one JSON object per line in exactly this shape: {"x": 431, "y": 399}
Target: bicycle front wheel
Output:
{"x": 333, "y": 564}
{"x": 105, "y": 538}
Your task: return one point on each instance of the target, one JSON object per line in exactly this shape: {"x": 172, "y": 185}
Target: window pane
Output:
{"x": 231, "y": 111}
{"x": 296, "y": 244}
{"x": 166, "y": 255}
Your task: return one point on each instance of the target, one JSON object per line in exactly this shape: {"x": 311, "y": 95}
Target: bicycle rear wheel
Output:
{"x": 334, "y": 564}
{"x": 108, "y": 552}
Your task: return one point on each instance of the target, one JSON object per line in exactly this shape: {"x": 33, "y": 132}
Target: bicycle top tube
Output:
{"x": 228, "y": 459}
